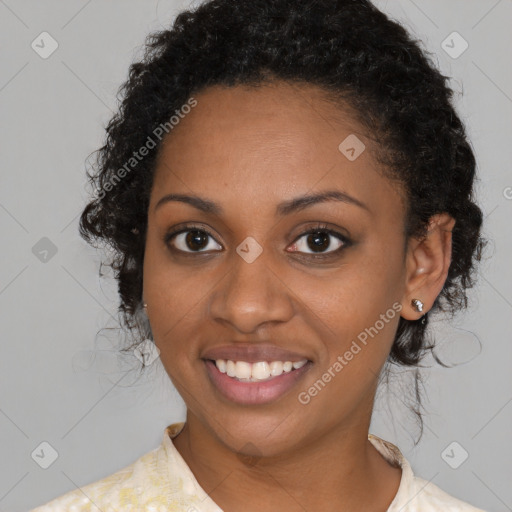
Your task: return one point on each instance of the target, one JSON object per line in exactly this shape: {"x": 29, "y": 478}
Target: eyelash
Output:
{"x": 320, "y": 228}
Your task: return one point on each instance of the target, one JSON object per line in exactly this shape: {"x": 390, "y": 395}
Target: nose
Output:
{"x": 250, "y": 295}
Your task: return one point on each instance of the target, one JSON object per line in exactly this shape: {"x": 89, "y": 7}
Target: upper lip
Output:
{"x": 252, "y": 353}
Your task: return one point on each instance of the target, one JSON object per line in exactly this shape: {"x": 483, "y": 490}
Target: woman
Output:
{"x": 289, "y": 192}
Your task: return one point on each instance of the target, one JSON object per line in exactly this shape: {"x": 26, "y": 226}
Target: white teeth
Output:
{"x": 242, "y": 370}
{"x": 230, "y": 368}
{"x": 276, "y": 368}
{"x": 221, "y": 365}
{"x": 262, "y": 370}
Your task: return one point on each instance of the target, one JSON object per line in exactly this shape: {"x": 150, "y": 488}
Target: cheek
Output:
{"x": 359, "y": 326}
{"x": 175, "y": 296}
{"x": 365, "y": 285}
{"x": 358, "y": 303}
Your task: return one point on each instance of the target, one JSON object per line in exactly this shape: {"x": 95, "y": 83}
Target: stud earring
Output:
{"x": 417, "y": 305}
{"x": 144, "y": 305}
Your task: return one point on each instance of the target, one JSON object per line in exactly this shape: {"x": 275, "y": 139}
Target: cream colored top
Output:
{"x": 161, "y": 481}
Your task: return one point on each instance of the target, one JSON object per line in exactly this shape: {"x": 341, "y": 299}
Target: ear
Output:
{"x": 427, "y": 262}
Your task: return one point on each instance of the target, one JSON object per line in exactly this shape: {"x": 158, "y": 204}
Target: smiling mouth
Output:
{"x": 255, "y": 383}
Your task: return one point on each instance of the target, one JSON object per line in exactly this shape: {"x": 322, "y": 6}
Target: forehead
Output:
{"x": 269, "y": 143}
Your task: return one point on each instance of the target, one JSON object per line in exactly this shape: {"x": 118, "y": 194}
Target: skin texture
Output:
{"x": 249, "y": 149}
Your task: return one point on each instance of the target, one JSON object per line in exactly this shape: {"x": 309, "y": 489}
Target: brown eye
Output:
{"x": 321, "y": 241}
{"x": 318, "y": 242}
{"x": 191, "y": 240}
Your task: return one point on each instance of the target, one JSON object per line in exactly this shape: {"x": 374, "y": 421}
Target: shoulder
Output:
{"x": 154, "y": 482}
{"x": 415, "y": 493}
{"x": 431, "y": 498}
{"x": 123, "y": 488}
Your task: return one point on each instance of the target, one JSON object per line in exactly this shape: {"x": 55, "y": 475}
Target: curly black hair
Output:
{"x": 352, "y": 51}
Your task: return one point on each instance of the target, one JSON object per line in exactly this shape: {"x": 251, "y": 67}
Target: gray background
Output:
{"x": 62, "y": 384}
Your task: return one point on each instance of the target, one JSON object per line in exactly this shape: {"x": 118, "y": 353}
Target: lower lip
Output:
{"x": 248, "y": 393}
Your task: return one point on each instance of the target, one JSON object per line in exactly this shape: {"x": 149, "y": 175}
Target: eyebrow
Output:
{"x": 284, "y": 208}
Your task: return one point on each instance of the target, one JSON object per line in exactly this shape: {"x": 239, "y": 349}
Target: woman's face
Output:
{"x": 242, "y": 282}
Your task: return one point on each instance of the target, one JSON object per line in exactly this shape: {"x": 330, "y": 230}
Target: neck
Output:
{"x": 342, "y": 467}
